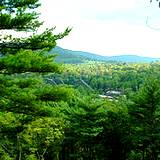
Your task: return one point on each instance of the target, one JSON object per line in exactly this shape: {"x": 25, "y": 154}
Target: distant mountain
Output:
{"x": 69, "y": 56}
{"x": 133, "y": 58}
{"x": 74, "y": 57}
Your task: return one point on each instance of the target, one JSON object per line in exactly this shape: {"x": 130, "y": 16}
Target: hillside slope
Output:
{"x": 73, "y": 57}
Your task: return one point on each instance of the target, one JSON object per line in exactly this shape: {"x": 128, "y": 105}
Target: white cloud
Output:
{"x": 107, "y": 27}
{"x": 108, "y": 39}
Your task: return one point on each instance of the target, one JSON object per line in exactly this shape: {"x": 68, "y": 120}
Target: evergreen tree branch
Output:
{"x": 35, "y": 42}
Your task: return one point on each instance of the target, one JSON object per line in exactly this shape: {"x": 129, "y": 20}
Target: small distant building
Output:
{"x": 102, "y": 96}
{"x": 108, "y": 97}
{"x": 111, "y": 95}
{"x": 118, "y": 93}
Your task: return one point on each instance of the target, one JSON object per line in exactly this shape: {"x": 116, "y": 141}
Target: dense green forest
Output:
{"x": 104, "y": 77}
{"x": 88, "y": 111}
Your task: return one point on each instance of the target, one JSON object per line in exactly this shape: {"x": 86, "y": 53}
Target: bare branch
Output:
{"x": 148, "y": 25}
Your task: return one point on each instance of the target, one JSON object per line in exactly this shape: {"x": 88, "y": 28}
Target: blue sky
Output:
{"x": 106, "y": 27}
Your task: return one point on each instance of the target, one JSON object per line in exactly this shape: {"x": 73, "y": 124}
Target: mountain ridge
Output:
{"x": 70, "y": 56}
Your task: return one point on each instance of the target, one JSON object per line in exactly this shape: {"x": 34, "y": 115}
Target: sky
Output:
{"x": 106, "y": 27}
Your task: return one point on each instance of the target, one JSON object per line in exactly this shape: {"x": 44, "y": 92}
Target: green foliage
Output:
{"x": 29, "y": 129}
{"x": 4, "y": 155}
{"x": 55, "y": 93}
{"x": 98, "y": 129}
{"x": 42, "y": 120}
{"x": 19, "y": 15}
{"x": 104, "y": 77}
{"x": 27, "y": 61}
{"x": 41, "y": 135}
{"x": 145, "y": 113}
{"x": 84, "y": 121}
{"x": 15, "y": 15}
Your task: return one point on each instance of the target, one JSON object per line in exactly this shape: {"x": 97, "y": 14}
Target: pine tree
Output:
{"x": 85, "y": 124}
{"x": 26, "y": 101}
{"x": 145, "y": 114}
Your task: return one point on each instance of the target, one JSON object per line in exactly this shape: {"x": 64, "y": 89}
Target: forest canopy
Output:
{"x": 50, "y": 111}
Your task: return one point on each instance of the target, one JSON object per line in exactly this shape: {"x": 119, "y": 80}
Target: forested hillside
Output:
{"x": 88, "y": 111}
{"x": 102, "y": 78}
{"x": 76, "y": 57}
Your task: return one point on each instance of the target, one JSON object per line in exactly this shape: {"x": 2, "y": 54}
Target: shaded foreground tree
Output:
{"x": 97, "y": 130}
{"x": 28, "y": 124}
{"x": 85, "y": 120}
{"x": 145, "y": 120}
